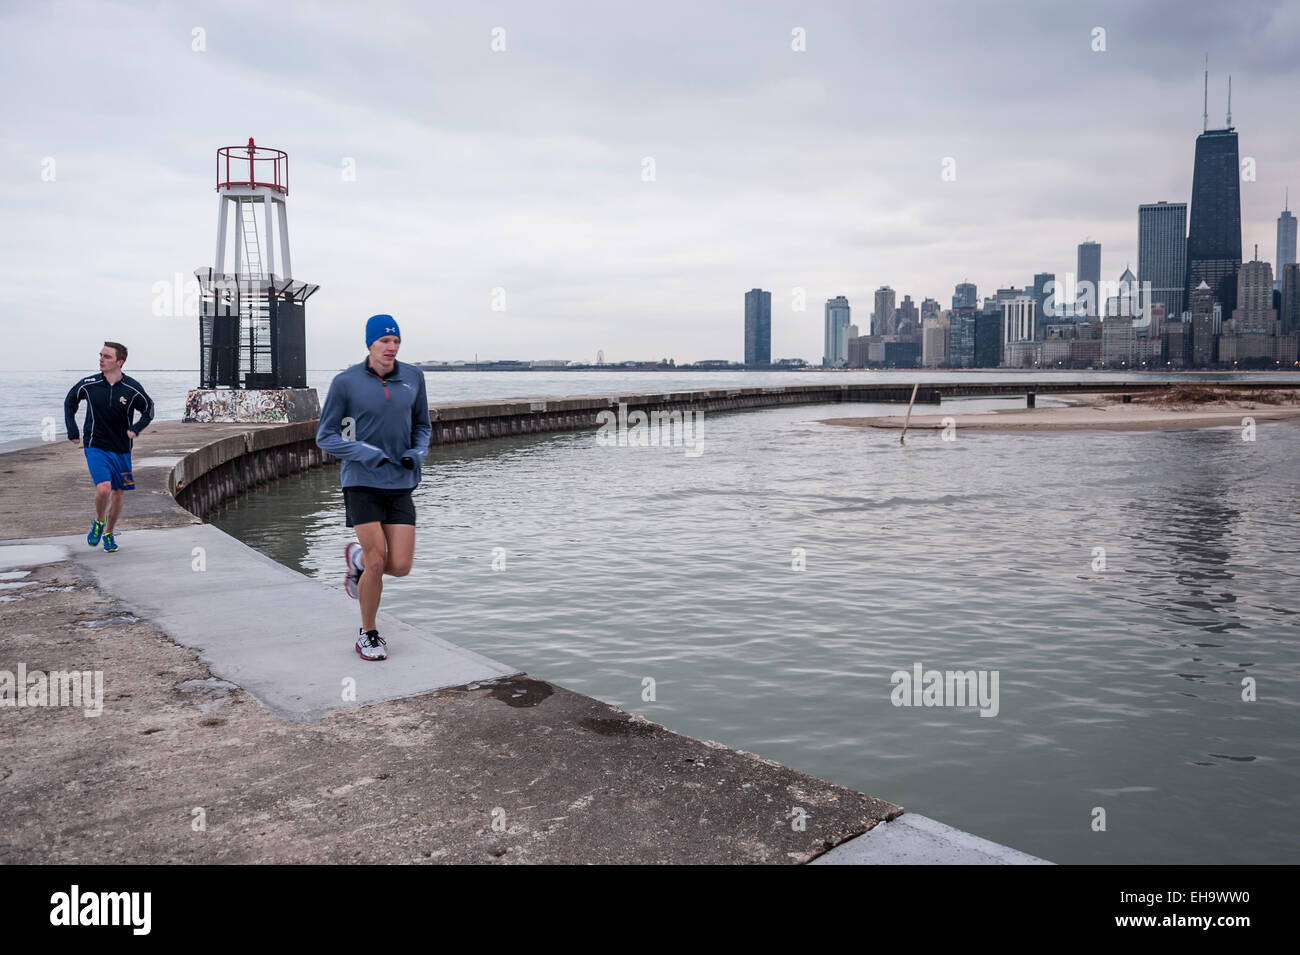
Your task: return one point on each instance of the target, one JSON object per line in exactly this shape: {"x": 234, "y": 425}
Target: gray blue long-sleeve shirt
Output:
{"x": 390, "y": 420}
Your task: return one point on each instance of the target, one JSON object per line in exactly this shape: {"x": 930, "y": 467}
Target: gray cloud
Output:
{"x": 522, "y": 169}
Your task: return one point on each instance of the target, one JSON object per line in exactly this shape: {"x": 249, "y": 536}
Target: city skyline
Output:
{"x": 524, "y": 170}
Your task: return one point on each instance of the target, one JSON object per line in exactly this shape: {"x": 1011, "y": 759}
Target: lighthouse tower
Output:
{"x": 252, "y": 316}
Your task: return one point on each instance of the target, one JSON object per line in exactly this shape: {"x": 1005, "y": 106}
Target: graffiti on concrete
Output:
{"x": 243, "y": 406}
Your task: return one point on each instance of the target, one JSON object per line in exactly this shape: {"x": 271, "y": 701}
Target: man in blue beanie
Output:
{"x": 376, "y": 419}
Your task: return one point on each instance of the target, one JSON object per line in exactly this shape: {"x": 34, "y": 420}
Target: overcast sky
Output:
{"x": 523, "y": 169}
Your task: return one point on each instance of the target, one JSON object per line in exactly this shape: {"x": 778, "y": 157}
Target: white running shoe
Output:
{"x": 353, "y": 576}
{"x": 371, "y": 645}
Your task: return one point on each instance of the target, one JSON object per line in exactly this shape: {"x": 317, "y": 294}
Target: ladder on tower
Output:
{"x": 255, "y": 342}
{"x": 252, "y": 245}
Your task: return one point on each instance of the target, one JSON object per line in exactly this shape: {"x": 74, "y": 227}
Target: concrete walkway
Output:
{"x": 281, "y": 636}
{"x": 912, "y": 839}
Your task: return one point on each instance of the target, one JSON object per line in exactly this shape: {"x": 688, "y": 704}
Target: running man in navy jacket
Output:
{"x": 112, "y": 399}
{"x": 376, "y": 419}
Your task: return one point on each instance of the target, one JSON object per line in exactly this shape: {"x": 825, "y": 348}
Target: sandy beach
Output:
{"x": 1193, "y": 406}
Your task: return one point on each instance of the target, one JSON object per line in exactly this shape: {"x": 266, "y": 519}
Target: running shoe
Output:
{"x": 96, "y": 532}
{"x": 371, "y": 646}
{"x": 353, "y": 576}
{"x": 110, "y": 545}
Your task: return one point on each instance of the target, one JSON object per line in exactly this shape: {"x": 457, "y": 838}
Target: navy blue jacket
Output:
{"x": 108, "y": 412}
{"x": 390, "y": 420}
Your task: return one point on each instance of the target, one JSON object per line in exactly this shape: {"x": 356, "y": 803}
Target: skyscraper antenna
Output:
{"x": 1230, "y": 101}
{"x": 1205, "y": 113}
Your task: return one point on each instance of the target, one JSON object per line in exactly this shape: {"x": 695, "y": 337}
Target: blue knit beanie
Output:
{"x": 380, "y": 325}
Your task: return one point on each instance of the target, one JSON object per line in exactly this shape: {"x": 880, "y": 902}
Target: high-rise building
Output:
{"x": 965, "y": 296}
{"x": 1214, "y": 229}
{"x": 1203, "y": 330}
{"x": 1042, "y": 284}
{"x": 1018, "y": 320}
{"x": 1285, "y": 241}
{"x": 882, "y": 319}
{"x": 1088, "y": 278}
{"x": 929, "y": 309}
{"x": 1162, "y": 254}
{"x": 961, "y": 336}
{"x": 758, "y": 327}
{"x": 1290, "y": 314}
{"x": 1125, "y": 300}
{"x": 1254, "y": 314}
{"x": 835, "y": 351}
{"x": 988, "y": 339}
{"x": 934, "y": 343}
{"x": 906, "y": 318}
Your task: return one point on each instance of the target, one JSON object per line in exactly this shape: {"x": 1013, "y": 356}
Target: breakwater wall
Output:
{"x": 458, "y": 422}
{"x": 209, "y": 476}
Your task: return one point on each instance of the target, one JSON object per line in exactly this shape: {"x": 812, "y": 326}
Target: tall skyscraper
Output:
{"x": 1162, "y": 254}
{"x": 961, "y": 336}
{"x": 1089, "y": 271}
{"x": 988, "y": 338}
{"x": 1285, "y": 240}
{"x": 1202, "y": 304}
{"x": 1254, "y": 314}
{"x": 1214, "y": 231}
{"x": 1018, "y": 320}
{"x": 835, "y": 350}
{"x": 1290, "y": 315}
{"x": 882, "y": 319}
{"x": 906, "y": 318}
{"x": 1124, "y": 303}
{"x": 758, "y": 327}
{"x": 965, "y": 295}
{"x": 934, "y": 342}
{"x": 1042, "y": 282}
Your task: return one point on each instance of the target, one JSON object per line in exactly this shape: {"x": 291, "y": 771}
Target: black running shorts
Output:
{"x": 363, "y": 505}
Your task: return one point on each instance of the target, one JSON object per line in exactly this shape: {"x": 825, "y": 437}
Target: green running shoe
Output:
{"x": 96, "y": 531}
{"x": 110, "y": 545}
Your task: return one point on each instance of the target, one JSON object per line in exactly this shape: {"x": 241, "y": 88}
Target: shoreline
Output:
{"x": 1091, "y": 412}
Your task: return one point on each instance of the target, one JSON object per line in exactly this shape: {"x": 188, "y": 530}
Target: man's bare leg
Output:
{"x": 103, "y": 490}
{"x": 374, "y": 555}
{"x": 114, "y": 510}
{"x": 401, "y": 548}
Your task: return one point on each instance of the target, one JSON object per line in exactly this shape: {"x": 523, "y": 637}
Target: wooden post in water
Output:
{"x": 902, "y": 438}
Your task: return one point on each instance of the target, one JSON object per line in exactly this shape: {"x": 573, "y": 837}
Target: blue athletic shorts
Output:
{"x": 107, "y": 466}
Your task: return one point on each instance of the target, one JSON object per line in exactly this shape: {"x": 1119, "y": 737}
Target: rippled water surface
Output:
{"x": 1118, "y": 688}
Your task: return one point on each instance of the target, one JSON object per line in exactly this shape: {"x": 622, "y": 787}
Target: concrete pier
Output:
{"x": 237, "y": 725}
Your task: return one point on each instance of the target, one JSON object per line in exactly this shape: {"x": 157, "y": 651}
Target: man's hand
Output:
{"x": 130, "y": 434}
{"x": 408, "y": 462}
{"x": 75, "y": 440}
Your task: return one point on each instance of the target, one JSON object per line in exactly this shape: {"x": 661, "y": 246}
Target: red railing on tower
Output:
{"x": 252, "y": 165}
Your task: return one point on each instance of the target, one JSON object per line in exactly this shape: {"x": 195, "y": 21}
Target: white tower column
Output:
{"x": 268, "y": 207}
{"x": 284, "y": 238}
{"x": 221, "y": 233}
